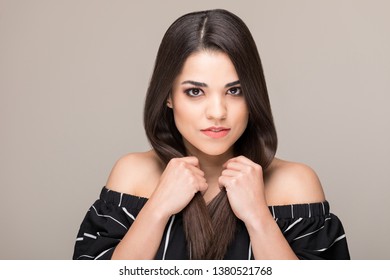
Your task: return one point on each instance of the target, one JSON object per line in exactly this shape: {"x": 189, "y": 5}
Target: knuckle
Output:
{"x": 181, "y": 164}
{"x": 173, "y": 162}
{"x": 191, "y": 180}
{"x": 203, "y": 187}
{"x": 195, "y": 159}
{"x": 229, "y": 165}
{"x": 186, "y": 172}
{"x": 258, "y": 168}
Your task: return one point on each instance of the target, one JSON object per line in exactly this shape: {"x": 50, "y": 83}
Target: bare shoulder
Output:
{"x": 135, "y": 173}
{"x": 292, "y": 183}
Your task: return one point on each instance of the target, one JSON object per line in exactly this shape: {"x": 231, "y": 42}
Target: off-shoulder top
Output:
{"x": 310, "y": 229}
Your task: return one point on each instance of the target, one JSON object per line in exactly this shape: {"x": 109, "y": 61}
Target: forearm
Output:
{"x": 144, "y": 236}
{"x": 266, "y": 238}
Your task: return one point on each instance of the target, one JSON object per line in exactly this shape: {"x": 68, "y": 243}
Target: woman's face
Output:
{"x": 209, "y": 107}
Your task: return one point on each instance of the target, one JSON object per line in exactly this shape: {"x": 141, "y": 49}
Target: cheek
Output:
{"x": 242, "y": 115}
{"x": 184, "y": 115}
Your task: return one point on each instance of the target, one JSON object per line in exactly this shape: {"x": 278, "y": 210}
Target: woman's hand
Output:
{"x": 178, "y": 184}
{"x": 243, "y": 181}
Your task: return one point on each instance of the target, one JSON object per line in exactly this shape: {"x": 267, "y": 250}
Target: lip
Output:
{"x": 216, "y": 131}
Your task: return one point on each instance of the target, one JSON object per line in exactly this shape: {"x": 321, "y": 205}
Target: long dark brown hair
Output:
{"x": 209, "y": 228}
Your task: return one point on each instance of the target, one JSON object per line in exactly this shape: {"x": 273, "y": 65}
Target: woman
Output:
{"x": 211, "y": 187}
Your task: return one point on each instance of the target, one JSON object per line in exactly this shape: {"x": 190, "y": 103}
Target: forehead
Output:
{"x": 208, "y": 67}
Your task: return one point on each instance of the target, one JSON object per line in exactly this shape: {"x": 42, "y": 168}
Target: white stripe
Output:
{"x": 309, "y": 210}
{"x": 293, "y": 224}
{"x": 79, "y": 239}
{"x": 273, "y": 211}
{"x": 120, "y": 201}
{"x": 106, "y": 216}
{"x": 86, "y": 256}
{"x": 128, "y": 213}
{"x": 103, "y": 253}
{"x": 337, "y": 239}
{"x": 90, "y": 235}
{"x": 250, "y": 251}
{"x": 167, "y": 237}
{"x": 292, "y": 211}
{"x": 299, "y": 237}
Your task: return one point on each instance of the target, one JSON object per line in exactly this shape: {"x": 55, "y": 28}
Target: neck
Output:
{"x": 211, "y": 165}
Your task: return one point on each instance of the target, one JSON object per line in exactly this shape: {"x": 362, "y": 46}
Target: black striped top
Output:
{"x": 310, "y": 229}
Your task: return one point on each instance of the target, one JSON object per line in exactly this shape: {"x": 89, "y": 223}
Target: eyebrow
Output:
{"x": 199, "y": 84}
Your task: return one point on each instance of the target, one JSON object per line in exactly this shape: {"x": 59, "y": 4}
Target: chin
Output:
{"x": 209, "y": 148}
{"x": 213, "y": 151}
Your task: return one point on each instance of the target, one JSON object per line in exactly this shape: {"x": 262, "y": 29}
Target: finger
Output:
{"x": 243, "y": 164}
{"x": 191, "y": 163}
{"x": 196, "y": 182}
{"x": 235, "y": 166}
{"x": 203, "y": 186}
{"x": 191, "y": 160}
{"x": 221, "y": 181}
{"x": 240, "y": 159}
{"x": 225, "y": 181}
{"x": 199, "y": 183}
{"x": 196, "y": 170}
{"x": 230, "y": 173}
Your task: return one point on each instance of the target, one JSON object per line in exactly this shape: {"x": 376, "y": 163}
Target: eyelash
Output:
{"x": 190, "y": 93}
{"x": 237, "y": 89}
{"x": 190, "y": 90}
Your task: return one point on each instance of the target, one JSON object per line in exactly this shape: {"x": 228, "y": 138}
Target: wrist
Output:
{"x": 259, "y": 220}
{"x": 157, "y": 211}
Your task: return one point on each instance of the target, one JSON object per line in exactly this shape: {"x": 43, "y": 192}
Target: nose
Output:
{"x": 216, "y": 107}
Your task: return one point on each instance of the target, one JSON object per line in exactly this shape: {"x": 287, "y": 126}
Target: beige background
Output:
{"x": 73, "y": 76}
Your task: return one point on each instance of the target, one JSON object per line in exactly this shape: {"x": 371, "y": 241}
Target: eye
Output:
{"x": 234, "y": 91}
{"x": 194, "y": 92}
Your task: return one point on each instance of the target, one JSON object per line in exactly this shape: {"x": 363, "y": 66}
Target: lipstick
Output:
{"x": 216, "y": 132}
